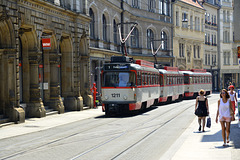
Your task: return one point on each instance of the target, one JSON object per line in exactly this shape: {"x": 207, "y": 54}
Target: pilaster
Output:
{"x": 55, "y": 98}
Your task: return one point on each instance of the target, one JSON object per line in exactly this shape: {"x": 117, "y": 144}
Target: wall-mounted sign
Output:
{"x": 46, "y": 43}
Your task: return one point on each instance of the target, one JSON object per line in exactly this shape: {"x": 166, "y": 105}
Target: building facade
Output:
{"x": 188, "y": 34}
{"x": 236, "y": 35}
{"x": 154, "y": 24}
{"x": 211, "y": 41}
{"x": 33, "y": 78}
{"x": 228, "y": 64}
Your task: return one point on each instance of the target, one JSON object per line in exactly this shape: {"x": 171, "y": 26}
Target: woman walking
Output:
{"x": 224, "y": 113}
{"x": 233, "y": 97}
{"x": 201, "y": 109}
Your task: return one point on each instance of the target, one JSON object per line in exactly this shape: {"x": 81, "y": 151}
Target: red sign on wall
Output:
{"x": 46, "y": 43}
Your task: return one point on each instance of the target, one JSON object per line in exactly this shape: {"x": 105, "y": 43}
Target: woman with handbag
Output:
{"x": 225, "y": 114}
{"x": 201, "y": 109}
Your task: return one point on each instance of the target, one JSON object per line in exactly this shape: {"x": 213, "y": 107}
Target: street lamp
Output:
{"x": 211, "y": 69}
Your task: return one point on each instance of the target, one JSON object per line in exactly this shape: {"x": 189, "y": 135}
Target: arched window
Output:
{"x": 164, "y": 40}
{"x": 150, "y": 37}
{"x": 92, "y": 23}
{"x": 104, "y": 27}
{"x": 135, "y": 38}
{"x": 114, "y": 31}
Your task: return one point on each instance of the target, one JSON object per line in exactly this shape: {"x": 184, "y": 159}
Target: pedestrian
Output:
{"x": 233, "y": 97}
{"x": 201, "y": 109}
{"x": 224, "y": 113}
{"x": 230, "y": 83}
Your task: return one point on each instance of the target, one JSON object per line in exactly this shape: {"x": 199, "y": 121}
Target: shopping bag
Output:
{"x": 208, "y": 122}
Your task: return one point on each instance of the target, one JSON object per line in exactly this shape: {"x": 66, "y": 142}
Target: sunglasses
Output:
{"x": 223, "y": 93}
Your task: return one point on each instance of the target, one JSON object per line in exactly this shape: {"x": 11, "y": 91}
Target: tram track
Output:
{"x": 115, "y": 135}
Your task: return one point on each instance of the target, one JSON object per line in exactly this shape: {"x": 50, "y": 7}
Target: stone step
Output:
{"x": 50, "y": 111}
{"x": 4, "y": 120}
{"x": 86, "y": 107}
{"x": 6, "y": 124}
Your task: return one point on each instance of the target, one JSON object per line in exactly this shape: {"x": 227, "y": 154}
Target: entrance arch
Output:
{"x": 66, "y": 51}
{"x": 8, "y": 96}
{"x": 29, "y": 58}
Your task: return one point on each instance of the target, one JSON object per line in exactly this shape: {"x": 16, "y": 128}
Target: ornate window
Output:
{"x": 164, "y": 40}
{"x": 181, "y": 50}
{"x": 151, "y": 5}
{"x": 135, "y": 38}
{"x": 92, "y": 23}
{"x": 135, "y": 4}
{"x": 150, "y": 37}
{"x": 104, "y": 21}
{"x": 114, "y": 31}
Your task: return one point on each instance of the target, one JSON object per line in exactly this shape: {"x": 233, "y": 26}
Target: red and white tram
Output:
{"x": 195, "y": 80}
{"x": 128, "y": 86}
{"x": 171, "y": 81}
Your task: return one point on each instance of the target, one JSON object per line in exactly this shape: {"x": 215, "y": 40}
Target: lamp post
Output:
{"x": 211, "y": 69}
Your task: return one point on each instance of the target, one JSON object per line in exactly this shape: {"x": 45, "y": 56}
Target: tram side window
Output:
{"x": 170, "y": 80}
{"x": 173, "y": 79}
{"x": 203, "y": 79}
{"x": 186, "y": 80}
{"x": 161, "y": 80}
{"x": 139, "y": 79}
{"x": 143, "y": 78}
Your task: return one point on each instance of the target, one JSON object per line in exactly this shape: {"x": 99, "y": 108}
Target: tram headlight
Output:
{"x": 106, "y": 97}
{"x": 125, "y": 97}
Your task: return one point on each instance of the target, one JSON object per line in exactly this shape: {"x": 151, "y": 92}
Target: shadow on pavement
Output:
{"x": 235, "y": 135}
{"x": 217, "y": 137}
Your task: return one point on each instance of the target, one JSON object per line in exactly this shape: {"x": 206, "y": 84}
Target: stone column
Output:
{"x": 55, "y": 98}
{"x": 35, "y": 107}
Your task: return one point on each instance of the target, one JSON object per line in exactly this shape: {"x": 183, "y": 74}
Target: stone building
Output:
{"x": 211, "y": 44}
{"x": 37, "y": 79}
{"x": 228, "y": 60}
{"x": 236, "y": 36}
{"x": 188, "y": 34}
{"x": 154, "y": 22}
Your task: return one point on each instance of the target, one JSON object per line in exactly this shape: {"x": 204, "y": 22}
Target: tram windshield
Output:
{"x": 119, "y": 79}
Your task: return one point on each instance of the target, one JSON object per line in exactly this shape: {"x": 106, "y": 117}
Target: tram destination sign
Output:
{"x": 116, "y": 67}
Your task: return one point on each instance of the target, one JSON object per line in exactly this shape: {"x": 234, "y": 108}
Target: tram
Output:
{"x": 129, "y": 85}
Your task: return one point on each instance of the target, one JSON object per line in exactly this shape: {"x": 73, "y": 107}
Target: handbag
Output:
{"x": 231, "y": 112}
{"x": 198, "y": 112}
{"x": 208, "y": 122}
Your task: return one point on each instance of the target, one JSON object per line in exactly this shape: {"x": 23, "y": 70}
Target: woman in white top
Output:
{"x": 224, "y": 113}
{"x": 233, "y": 97}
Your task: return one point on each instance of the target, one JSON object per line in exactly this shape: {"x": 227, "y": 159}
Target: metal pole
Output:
{"x": 122, "y": 28}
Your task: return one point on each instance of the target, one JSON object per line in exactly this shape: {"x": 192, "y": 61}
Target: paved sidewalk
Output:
{"x": 206, "y": 145}
{"x": 38, "y": 124}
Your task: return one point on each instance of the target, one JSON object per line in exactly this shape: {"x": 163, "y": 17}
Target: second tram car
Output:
{"x": 171, "y": 81}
